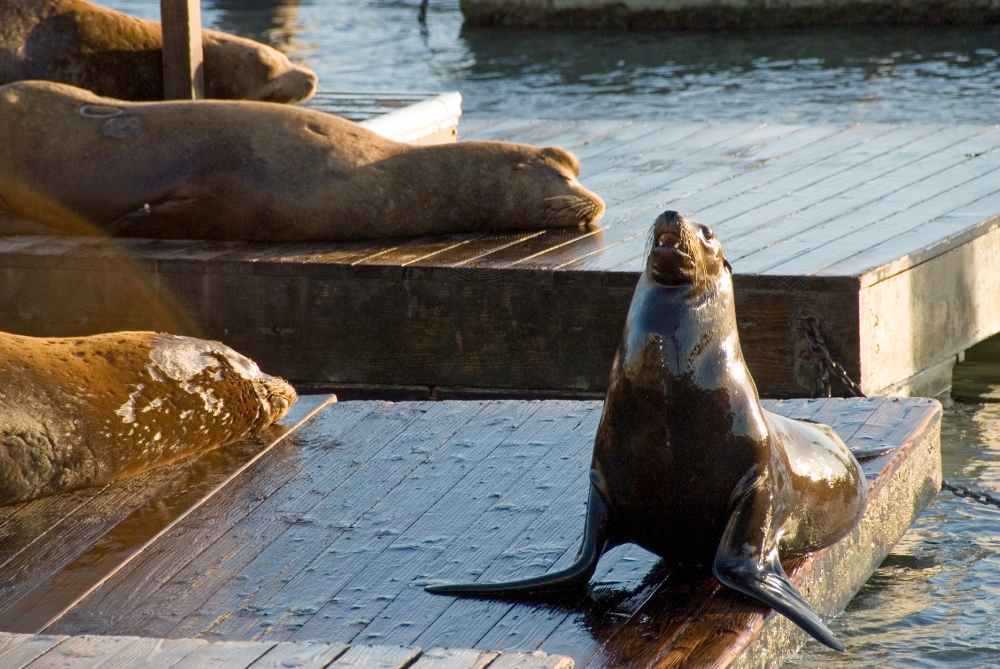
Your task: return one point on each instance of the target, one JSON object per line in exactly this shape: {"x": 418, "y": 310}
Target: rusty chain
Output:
{"x": 818, "y": 352}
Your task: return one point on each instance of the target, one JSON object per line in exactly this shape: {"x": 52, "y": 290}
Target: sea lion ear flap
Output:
{"x": 728, "y": 265}
{"x": 561, "y": 157}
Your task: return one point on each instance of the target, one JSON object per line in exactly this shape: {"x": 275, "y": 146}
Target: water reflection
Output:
{"x": 273, "y": 22}
{"x": 880, "y": 73}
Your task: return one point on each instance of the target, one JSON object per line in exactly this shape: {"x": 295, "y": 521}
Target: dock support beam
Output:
{"x": 183, "y": 73}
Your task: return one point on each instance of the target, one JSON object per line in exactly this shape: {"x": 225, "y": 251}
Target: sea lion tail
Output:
{"x": 575, "y": 577}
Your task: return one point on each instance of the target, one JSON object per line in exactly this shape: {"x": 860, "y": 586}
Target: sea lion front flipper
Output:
{"x": 744, "y": 563}
{"x": 596, "y": 541}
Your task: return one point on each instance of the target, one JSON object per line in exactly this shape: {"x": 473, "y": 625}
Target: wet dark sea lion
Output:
{"x": 77, "y": 412}
{"x": 252, "y": 171}
{"x": 119, "y": 56}
{"x": 686, "y": 462}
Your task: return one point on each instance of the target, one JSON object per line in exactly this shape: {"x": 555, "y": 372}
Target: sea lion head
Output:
{"x": 685, "y": 253}
{"x": 512, "y": 186}
{"x": 241, "y": 69}
{"x": 565, "y": 203}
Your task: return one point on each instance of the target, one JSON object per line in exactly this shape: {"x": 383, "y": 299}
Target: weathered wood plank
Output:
{"x": 454, "y": 658}
{"x": 18, "y": 650}
{"x": 127, "y": 587}
{"x": 531, "y": 661}
{"x": 309, "y": 512}
{"x": 355, "y": 547}
{"x": 183, "y": 57}
{"x": 224, "y": 655}
{"x": 301, "y": 655}
{"x": 375, "y": 657}
{"x": 83, "y": 652}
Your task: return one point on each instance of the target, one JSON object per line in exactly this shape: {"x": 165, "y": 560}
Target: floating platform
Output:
{"x": 885, "y": 234}
{"x": 720, "y": 14}
{"x": 18, "y": 651}
{"x": 327, "y": 528}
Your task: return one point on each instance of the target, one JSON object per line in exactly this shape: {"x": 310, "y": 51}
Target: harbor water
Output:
{"x": 935, "y": 601}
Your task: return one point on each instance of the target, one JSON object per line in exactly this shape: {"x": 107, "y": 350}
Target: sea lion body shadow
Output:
{"x": 686, "y": 463}
{"x": 251, "y": 171}
{"x": 119, "y": 56}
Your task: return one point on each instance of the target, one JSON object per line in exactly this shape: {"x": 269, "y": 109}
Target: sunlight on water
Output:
{"x": 901, "y": 74}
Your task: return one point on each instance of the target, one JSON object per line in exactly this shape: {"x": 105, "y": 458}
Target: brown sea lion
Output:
{"x": 259, "y": 172}
{"x": 120, "y": 56}
{"x": 78, "y": 412}
{"x": 686, "y": 463}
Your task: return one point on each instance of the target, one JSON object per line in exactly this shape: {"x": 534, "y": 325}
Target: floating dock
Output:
{"x": 720, "y": 14}
{"x": 886, "y": 235}
{"x": 326, "y": 529}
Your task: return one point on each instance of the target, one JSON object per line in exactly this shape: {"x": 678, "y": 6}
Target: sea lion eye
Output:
{"x": 708, "y": 234}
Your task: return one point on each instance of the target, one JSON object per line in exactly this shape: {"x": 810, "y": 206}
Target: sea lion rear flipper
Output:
{"x": 744, "y": 563}
{"x": 595, "y": 543}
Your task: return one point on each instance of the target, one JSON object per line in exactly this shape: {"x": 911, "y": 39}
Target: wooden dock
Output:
{"x": 887, "y": 234}
{"x": 327, "y": 528}
{"x": 31, "y": 651}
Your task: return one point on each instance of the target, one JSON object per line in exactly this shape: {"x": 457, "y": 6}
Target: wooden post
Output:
{"x": 183, "y": 74}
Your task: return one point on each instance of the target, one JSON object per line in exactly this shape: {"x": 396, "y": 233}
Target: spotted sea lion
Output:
{"x": 686, "y": 462}
{"x": 77, "y": 412}
{"x": 119, "y": 56}
{"x": 259, "y": 172}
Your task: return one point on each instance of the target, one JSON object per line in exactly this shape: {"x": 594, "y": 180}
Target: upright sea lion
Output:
{"x": 260, "y": 172}
{"x": 78, "y": 412}
{"x": 686, "y": 463}
{"x": 120, "y": 56}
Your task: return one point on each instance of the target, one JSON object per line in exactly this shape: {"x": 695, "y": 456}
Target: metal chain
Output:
{"x": 962, "y": 491}
{"x": 819, "y": 353}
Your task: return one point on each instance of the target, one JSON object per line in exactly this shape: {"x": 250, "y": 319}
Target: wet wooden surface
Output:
{"x": 332, "y": 534}
{"x": 27, "y": 651}
{"x": 887, "y": 234}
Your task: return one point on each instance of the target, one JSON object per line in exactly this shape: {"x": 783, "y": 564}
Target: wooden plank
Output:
{"x": 224, "y": 655}
{"x": 113, "y": 537}
{"x": 502, "y": 131}
{"x": 19, "y": 650}
{"x": 506, "y": 469}
{"x": 454, "y": 658}
{"x": 268, "y": 577}
{"x": 183, "y": 58}
{"x": 118, "y": 593}
{"x": 375, "y": 657}
{"x": 309, "y": 512}
{"x": 669, "y": 182}
{"x": 534, "y": 660}
{"x": 302, "y": 655}
{"x": 83, "y": 652}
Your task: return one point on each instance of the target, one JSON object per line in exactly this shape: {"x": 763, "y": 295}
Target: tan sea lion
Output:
{"x": 260, "y": 172}
{"x": 78, "y": 412}
{"x": 120, "y": 56}
{"x": 687, "y": 464}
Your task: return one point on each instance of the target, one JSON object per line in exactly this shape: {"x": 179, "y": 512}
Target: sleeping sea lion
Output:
{"x": 85, "y": 411}
{"x": 120, "y": 56}
{"x": 686, "y": 463}
{"x": 251, "y": 171}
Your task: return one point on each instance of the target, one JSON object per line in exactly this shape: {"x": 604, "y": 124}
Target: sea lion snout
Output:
{"x": 684, "y": 252}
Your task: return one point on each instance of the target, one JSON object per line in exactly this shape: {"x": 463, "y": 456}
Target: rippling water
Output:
{"x": 935, "y": 601}
{"x": 904, "y": 74}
